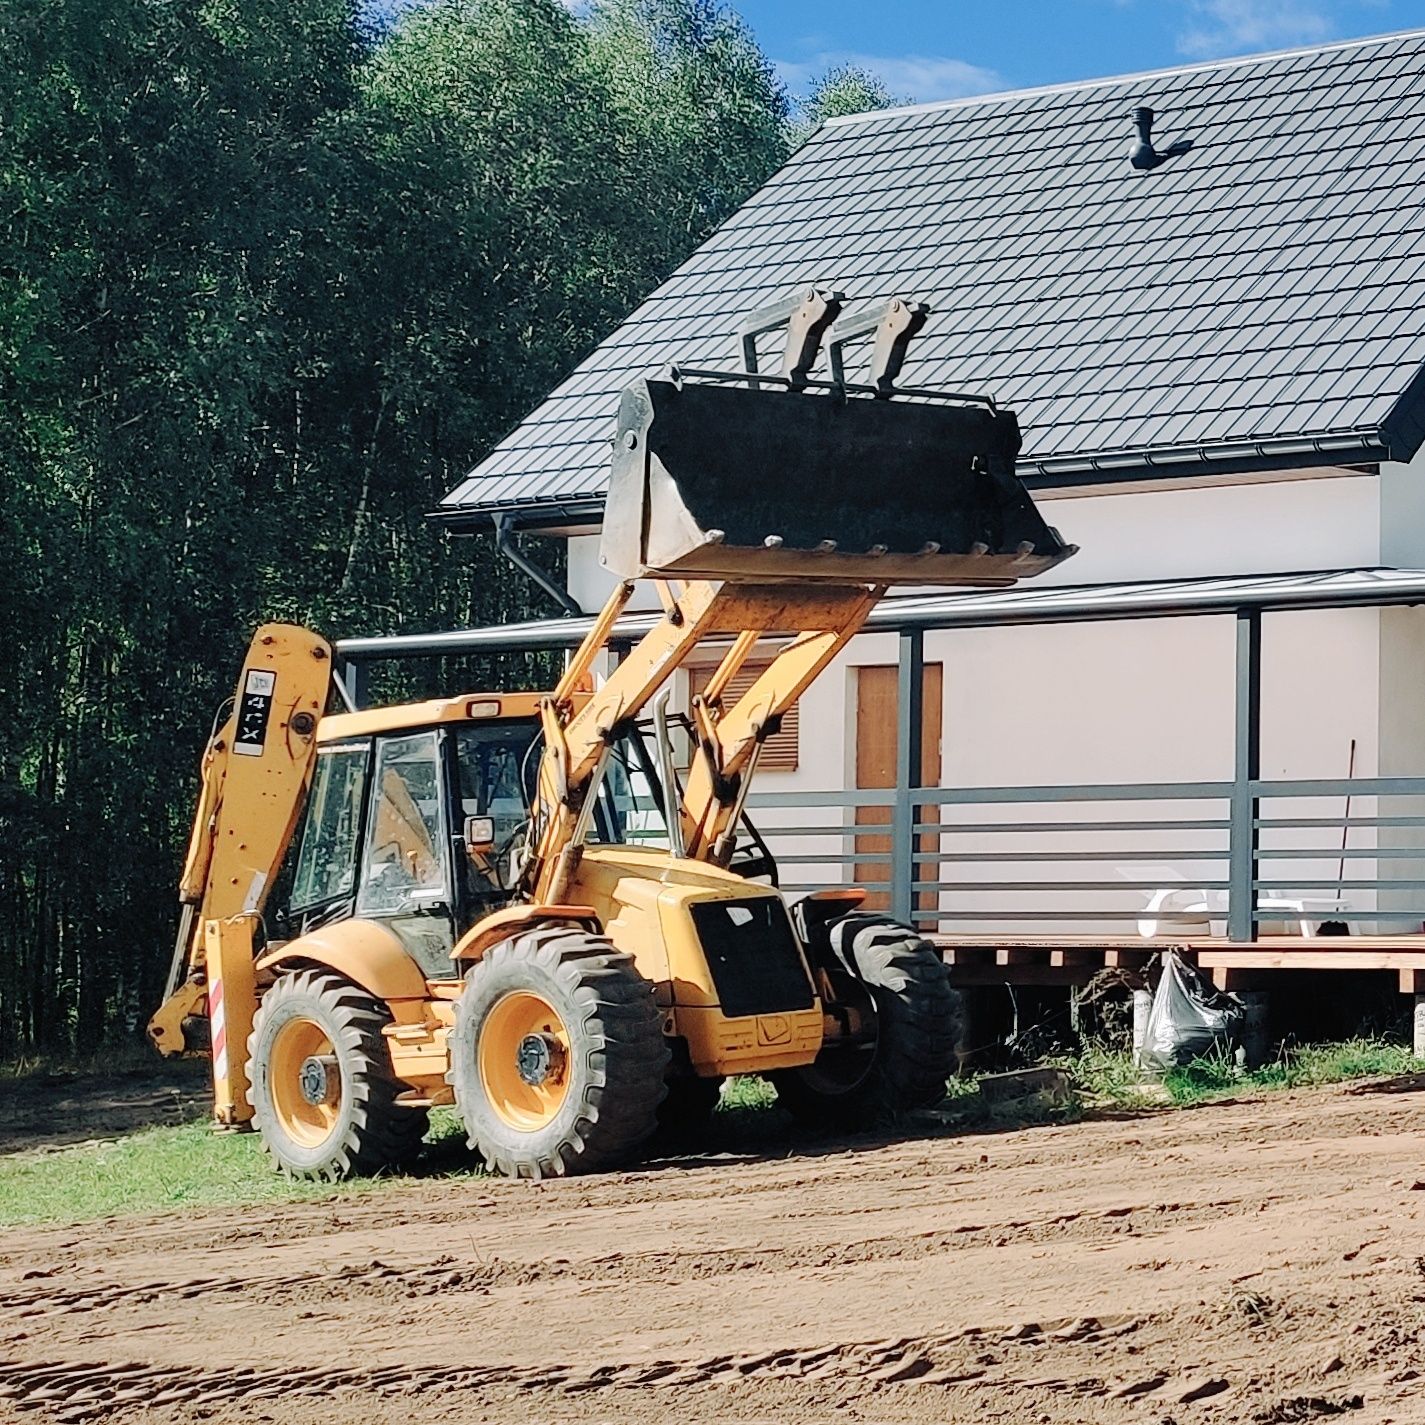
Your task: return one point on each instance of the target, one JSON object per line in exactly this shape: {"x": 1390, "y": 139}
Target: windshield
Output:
{"x": 326, "y": 863}
{"x": 404, "y": 840}
{"x": 629, "y": 811}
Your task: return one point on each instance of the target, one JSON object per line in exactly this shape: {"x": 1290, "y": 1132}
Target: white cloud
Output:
{"x": 914, "y": 78}
{"x": 1240, "y": 26}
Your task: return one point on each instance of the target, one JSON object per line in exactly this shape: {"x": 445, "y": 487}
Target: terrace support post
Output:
{"x": 1142, "y": 1008}
{"x": 1255, "y": 1041}
{"x": 910, "y": 719}
{"x": 1243, "y": 836}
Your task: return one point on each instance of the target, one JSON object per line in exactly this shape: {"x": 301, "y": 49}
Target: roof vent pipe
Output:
{"x": 1142, "y": 155}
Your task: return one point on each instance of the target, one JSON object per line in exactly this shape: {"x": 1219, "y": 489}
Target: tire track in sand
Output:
{"x": 447, "y": 1274}
{"x": 76, "y": 1392}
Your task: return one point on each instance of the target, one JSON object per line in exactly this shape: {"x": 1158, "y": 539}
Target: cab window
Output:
{"x": 403, "y": 868}
{"x": 326, "y": 863}
{"x": 629, "y": 811}
{"x": 493, "y": 770}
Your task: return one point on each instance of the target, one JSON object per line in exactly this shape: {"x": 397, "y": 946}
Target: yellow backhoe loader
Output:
{"x": 517, "y": 903}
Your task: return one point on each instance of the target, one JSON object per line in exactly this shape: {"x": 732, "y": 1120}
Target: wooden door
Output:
{"x": 877, "y": 713}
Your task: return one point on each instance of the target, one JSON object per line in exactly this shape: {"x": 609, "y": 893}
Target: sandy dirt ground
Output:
{"x": 1260, "y": 1261}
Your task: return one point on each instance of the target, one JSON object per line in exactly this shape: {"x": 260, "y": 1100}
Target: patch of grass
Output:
{"x": 1106, "y": 1077}
{"x": 749, "y": 1093}
{"x": 153, "y": 1171}
{"x": 1335, "y": 1063}
{"x": 1110, "y": 1077}
{"x": 1209, "y": 1076}
{"x": 446, "y": 1128}
{"x": 166, "y": 1169}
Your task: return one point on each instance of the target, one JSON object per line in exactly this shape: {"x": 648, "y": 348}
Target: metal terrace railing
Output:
{"x": 1124, "y": 859}
{"x": 1090, "y": 859}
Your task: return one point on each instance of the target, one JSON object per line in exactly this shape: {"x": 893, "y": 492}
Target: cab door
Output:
{"x": 405, "y": 877}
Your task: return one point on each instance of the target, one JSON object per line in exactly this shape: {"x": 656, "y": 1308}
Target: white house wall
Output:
{"x": 1147, "y": 701}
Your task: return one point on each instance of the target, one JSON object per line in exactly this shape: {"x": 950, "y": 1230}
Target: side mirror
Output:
{"x": 479, "y": 834}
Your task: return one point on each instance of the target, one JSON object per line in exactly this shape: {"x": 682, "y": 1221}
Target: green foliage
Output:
{"x": 269, "y": 283}
{"x": 1110, "y": 1075}
{"x": 845, "y": 89}
{"x": 747, "y": 1093}
{"x": 703, "y": 115}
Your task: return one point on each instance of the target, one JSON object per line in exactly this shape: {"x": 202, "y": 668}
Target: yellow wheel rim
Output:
{"x": 523, "y": 1057}
{"x": 301, "y": 1064}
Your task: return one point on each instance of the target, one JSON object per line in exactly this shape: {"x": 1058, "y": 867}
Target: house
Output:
{"x": 1210, "y": 320}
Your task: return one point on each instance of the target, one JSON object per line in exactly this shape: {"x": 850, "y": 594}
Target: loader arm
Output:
{"x": 823, "y": 619}
{"x": 256, "y": 770}
{"x": 765, "y": 513}
{"x": 730, "y": 739}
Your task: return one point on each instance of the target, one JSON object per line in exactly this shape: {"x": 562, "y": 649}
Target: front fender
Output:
{"x": 363, "y": 951}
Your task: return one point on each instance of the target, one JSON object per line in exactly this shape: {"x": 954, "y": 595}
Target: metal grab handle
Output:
{"x": 672, "y": 802}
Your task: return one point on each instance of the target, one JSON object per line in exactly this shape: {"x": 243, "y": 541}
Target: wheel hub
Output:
{"x": 540, "y": 1059}
{"x": 319, "y": 1078}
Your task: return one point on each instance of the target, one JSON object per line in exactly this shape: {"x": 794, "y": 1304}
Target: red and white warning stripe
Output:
{"x": 217, "y": 1017}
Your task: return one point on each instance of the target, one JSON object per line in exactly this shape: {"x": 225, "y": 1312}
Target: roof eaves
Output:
{"x": 529, "y": 513}
{"x": 1403, "y": 428}
{"x": 1277, "y": 453}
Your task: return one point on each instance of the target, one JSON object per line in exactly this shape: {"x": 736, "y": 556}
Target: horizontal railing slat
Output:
{"x": 990, "y": 796}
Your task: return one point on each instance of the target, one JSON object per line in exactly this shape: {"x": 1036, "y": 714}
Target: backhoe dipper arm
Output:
{"x": 256, "y": 771}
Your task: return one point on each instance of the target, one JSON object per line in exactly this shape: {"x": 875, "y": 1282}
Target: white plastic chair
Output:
{"x": 1186, "y": 910}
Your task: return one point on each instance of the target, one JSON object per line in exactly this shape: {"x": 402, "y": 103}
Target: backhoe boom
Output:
{"x": 256, "y": 770}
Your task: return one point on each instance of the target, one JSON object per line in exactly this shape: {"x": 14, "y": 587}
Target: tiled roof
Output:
{"x": 1259, "y": 299}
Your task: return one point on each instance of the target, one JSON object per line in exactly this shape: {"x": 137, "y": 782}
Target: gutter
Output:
{"x": 531, "y": 570}
{"x": 1063, "y": 472}
{"x": 1229, "y": 457}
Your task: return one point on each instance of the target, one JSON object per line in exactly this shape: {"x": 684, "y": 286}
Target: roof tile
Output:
{"x": 1267, "y": 283}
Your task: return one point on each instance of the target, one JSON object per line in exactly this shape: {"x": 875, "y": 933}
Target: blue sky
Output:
{"x": 947, "y": 49}
{"x": 944, "y": 49}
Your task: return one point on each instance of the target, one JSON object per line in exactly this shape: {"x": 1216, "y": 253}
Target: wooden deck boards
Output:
{"x": 1075, "y": 959}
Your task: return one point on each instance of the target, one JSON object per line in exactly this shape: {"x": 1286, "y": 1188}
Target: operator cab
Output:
{"x": 423, "y": 828}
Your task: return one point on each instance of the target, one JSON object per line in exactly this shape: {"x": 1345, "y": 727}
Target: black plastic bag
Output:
{"x": 1189, "y": 1019}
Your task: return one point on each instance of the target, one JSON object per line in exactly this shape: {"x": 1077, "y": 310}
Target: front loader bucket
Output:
{"x": 750, "y": 484}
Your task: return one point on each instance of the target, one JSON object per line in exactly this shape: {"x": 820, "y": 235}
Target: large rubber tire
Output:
{"x": 917, "y": 1017}
{"x": 564, "y": 1004}
{"x": 359, "y": 1128}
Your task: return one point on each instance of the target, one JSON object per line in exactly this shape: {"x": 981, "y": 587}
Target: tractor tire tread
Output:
{"x": 619, "y": 1037}
{"x": 920, "y": 1023}
{"x": 379, "y": 1133}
